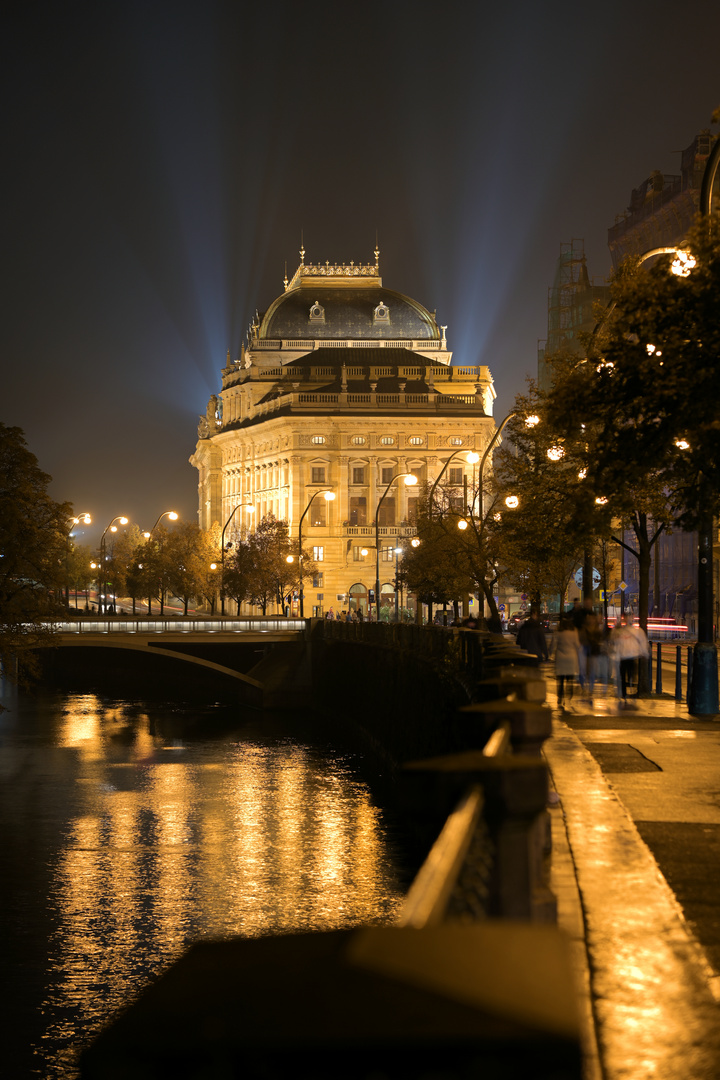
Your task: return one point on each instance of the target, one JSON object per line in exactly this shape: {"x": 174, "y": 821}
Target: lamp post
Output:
{"x": 329, "y": 497}
{"x": 472, "y": 459}
{"x": 112, "y": 527}
{"x": 410, "y": 480}
{"x": 398, "y": 552}
{"x": 251, "y": 510}
{"x": 173, "y": 517}
{"x": 72, "y": 522}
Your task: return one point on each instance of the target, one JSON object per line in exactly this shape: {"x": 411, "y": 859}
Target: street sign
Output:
{"x": 501, "y": 607}
{"x": 623, "y": 585}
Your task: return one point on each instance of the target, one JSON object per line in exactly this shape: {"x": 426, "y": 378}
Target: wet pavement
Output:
{"x": 636, "y": 870}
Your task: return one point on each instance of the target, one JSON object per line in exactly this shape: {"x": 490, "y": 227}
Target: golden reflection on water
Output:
{"x": 170, "y": 844}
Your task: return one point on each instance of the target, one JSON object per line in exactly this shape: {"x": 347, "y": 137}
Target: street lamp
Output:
{"x": 167, "y": 513}
{"x": 112, "y": 527}
{"x": 472, "y": 459}
{"x": 173, "y": 517}
{"x": 72, "y": 522}
{"x": 250, "y": 510}
{"x": 329, "y": 497}
{"x": 410, "y": 480}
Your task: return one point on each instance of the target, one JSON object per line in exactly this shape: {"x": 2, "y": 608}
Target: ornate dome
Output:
{"x": 344, "y": 302}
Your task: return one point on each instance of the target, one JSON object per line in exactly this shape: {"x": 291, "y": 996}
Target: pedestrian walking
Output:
{"x": 531, "y": 637}
{"x": 566, "y": 649}
{"x": 628, "y": 645}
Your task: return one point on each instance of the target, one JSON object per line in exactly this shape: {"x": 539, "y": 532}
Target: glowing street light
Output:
{"x": 410, "y": 481}
{"x": 250, "y": 507}
{"x": 329, "y": 496}
{"x": 112, "y": 527}
{"x": 556, "y": 453}
{"x": 512, "y": 502}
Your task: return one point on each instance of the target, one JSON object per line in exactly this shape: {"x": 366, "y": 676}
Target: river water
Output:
{"x": 130, "y": 829}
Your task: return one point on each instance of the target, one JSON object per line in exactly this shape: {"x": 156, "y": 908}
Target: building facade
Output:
{"x": 342, "y": 386}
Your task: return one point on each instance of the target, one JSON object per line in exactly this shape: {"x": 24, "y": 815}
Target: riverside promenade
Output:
{"x": 635, "y": 866}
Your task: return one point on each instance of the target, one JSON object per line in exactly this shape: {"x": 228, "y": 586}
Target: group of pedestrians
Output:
{"x": 586, "y": 651}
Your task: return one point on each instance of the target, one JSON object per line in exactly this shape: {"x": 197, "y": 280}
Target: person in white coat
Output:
{"x": 566, "y": 652}
{"x": 628, "y": 644}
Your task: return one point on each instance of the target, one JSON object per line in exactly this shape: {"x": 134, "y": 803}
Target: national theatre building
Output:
{"x": 342, "y": 385}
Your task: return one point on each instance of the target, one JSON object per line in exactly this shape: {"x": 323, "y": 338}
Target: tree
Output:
{"x": 79, "y": 572}
{"x": 543, "y": 540}
{"x": 186, "y": 552}
{"x": 430, "y": 569}
{"x": 265, "y": 552}
{"x": 33, "y": 548}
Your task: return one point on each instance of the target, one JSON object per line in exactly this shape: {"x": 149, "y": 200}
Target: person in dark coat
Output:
{"x": 531, "y": 637}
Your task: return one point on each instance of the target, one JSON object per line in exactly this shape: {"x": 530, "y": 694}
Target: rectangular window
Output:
{"x": 358, "y": 510}
{"x": 318, "y": 512}
{"x": 386, "y": 516}
{"x": 455, "y": 476}
{"x": 387, "y": 554}
{"x": 318, "y": 554}
{"x": 358, "y": 474}
{"x": 386, "y": 473}
{"x": 317, "y": 581}
{"x": 412, "y": 510}
{"x": 318, "y": 474}
{"x": 358, "y": 553}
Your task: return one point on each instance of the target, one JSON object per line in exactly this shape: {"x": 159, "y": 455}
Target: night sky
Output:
{"x": 160, "y": 160}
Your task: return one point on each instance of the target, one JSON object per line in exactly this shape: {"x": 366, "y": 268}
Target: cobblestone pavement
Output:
{"x": 636, "y": 869}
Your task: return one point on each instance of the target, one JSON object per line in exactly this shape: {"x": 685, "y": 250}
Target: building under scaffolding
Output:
{"x": 573, "y": 301}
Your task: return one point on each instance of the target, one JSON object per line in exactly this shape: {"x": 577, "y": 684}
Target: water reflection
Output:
{"x": 156, "y": 842}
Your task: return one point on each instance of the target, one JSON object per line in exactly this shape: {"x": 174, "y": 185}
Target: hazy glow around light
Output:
{"x": 462, "y": 524}
{"x": 414, "y": 542}
{"x": 556, "y": 453}
{"x": 683, "y": 263}
{"x": 329, "y": 496}
{"x": 410, "y": 481}
{"x": 532, "y": 421}
{"x": 682, "y": 444}
{"x": 473, "y": 458}
{"x": 601, "y": 500}
{"x": 512, "y": 502}
{"x": 582, "y": 474}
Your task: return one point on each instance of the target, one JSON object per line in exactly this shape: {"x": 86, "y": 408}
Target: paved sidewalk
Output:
{"x": 647, "y": 954}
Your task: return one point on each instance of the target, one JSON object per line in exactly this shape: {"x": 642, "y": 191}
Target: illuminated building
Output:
{"x": 342, "y": 385}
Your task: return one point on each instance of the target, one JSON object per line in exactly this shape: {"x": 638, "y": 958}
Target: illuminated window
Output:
{"x": 455, "y": 441}
{"x": 358, "y": 553}
{"x": 318, "y": 554}
{"x": 387, "y": 554}
{"x": 387, "y": 440}
{"x": 318, "y": 440}
{"x": 358, "y": 510}
{"x": 358, "y": 474}
{"x": 318, "y": 474}
{"x": 318, "y": 512}
{"x": 318, "y": 581}
{"x": 386, "y": 512}
{"x": 416, "y": 440}
{"x": 455, "y": 476}
{"x": 358, "y": 440}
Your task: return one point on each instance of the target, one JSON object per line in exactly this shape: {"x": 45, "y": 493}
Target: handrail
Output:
{"x": 427, "y": 899}
{"x": 179, "y": 625}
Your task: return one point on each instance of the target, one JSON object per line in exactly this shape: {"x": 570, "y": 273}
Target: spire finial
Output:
{"x": 285, "y": 279}
{"x": 377, "y": 251}
{"x": 302, "y": 249}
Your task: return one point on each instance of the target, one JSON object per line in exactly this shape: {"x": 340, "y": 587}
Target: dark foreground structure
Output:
{"x": 475, "y": 980}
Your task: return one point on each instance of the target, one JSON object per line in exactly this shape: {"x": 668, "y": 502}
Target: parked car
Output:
{"x": 516, "y": 620}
